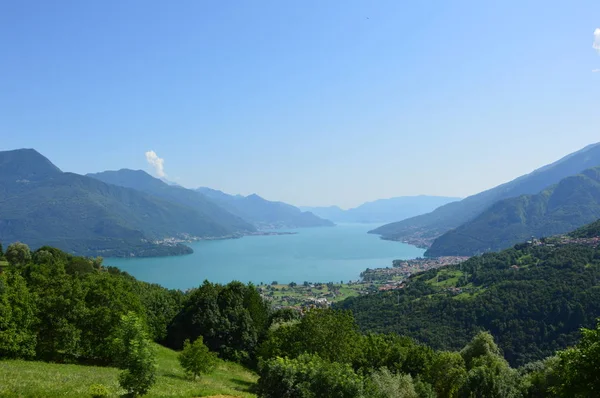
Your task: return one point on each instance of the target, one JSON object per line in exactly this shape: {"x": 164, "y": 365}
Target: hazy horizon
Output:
{"x": 311, "y": 103}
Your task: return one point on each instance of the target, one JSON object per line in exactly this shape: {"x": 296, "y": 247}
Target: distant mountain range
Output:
{"x": 424, "y": 229}
{"x": 383, "y": 210}
{"x": 40, "y": 204}
{"x": 573, "y": 202}
{"x": 120, "y": 213}
{"x": 144, "y": 182}
{"x": 263, "y": 213}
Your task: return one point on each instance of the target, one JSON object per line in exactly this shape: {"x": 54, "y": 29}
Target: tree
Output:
{"x": 481, "y": 345}
{"x": 196, "y": 359}
{"x": 232, "y": 319}
{"x": 448, "y": 374}
{"x": 491, "y": 377}
{"x": 389, "y": 385}
{"x": 308, "y": 376}
{"x": 1, "y": 251}
{"x": 18, "y": 253}
{"x": 17, "y": 317}
{"x": 133, "y": 352}
{"x": 333, "y": 335}
{"x": 577, "y": 369}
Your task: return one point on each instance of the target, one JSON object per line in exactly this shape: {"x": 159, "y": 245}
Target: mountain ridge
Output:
{"x": 560, "y": 208}
{"x": 40, "y": 204}
{"x": 383, "y": 210}
{"x": 424, "y": 229}
{"x": 263, "y": 213}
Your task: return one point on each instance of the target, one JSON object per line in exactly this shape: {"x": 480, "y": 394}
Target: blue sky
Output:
{"x": 309, "y": 102}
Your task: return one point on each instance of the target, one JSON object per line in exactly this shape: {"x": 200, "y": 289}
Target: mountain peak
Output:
{"x": 26, "y": 165}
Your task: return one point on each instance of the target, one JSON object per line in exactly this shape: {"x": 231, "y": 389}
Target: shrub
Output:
{"x": 196, "y": 359}
{"x": 98, "y": 391}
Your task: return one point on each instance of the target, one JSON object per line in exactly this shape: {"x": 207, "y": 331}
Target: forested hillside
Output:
{"x": 573, "y": 202}
{"x": 532, "y": 298}
{"x": 39, "y": 204}
{"x": 58, "y": 308}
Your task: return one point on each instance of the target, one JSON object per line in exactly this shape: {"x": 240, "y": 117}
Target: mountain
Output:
{"x": 383, "y": 210}
{"x": 422, "y": 230}
{"x": 573, "y": 202}
{"x": 533, "y": 298}
{"x": 40, "y": 204}
{"x": 587, "y": 231}
{"x": 206, "y": 208}
{"x": 264, "y": 213}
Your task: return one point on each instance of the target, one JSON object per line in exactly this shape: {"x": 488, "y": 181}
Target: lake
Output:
{"x": 323, "y": 254}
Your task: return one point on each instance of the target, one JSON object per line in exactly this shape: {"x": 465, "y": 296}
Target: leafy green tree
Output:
{"x": 482, "y": 345}
{"x": 18, "y": 253}
{"x": 389, "y": 385}
{"x": 333, "y": 335}
{"x": 232, "y": 319}
{"x": 60, "y": 310}
{"x": 490, "y": 376}
{"x": 133, "y": 352}
{"x": 1, "y": 251}
{"x": 539, "y": 377}
{"x": 196, "y": 359}
{"x": 578, "y": 367}
{"x": 106, "y": 299}
{"x": 448, "y": 374}
{"x": 17, "y": 317}
{"x": 308, "y": 376}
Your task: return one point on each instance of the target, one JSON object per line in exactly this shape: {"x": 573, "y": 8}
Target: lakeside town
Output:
{"x": 373, "y": 280}
{"x": 322, "y": 295}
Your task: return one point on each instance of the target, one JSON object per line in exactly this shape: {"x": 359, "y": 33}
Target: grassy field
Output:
{"x": 286, "y": 295}
{"x": 39, "y": 379}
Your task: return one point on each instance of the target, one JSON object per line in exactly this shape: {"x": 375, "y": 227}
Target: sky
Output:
{"x": 310, "y": 102}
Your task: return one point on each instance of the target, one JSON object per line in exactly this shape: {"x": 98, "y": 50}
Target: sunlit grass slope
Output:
{"x": 40, "y": 379}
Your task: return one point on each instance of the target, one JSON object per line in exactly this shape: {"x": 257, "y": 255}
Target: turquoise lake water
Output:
{"x": 324, "y": 254}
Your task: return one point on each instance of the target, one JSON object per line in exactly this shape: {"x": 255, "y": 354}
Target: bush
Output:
{"x": 98, "y": 391}
{"x": 196, "y": 359}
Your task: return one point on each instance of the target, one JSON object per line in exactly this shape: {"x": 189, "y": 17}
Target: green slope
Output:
{"x": 40, "y": 379}
{"x": 39, "y": 204}
{"x": 429, "y": 226}
{"x": 532, "y": 298}
{"x": 573, "y": 202}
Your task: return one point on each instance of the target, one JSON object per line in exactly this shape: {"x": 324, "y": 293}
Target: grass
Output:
{"x": 39, "y": 379}
{"x": 448, "y": 278}
{"x": 299, "y": 294}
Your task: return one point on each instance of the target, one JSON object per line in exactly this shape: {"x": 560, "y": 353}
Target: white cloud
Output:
{"x": 596, "y": 44}
{"x": 595, "y": 70}
{"x": 156, "y": 162}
